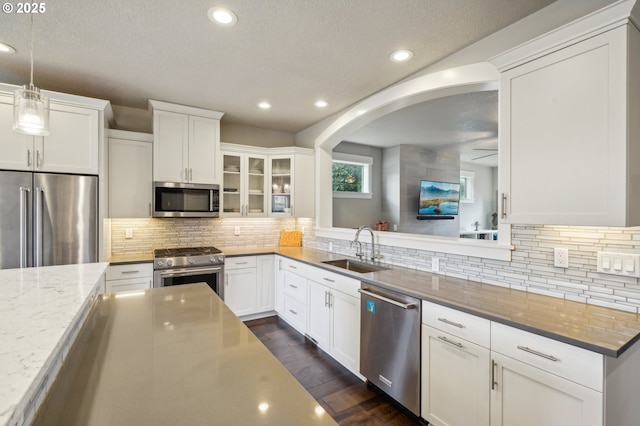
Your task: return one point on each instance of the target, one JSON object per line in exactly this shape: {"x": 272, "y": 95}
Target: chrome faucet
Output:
{"x": 359, "y": 253}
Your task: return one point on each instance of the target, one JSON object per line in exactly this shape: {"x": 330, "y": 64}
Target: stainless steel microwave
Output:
{"x": 174, "y": 199}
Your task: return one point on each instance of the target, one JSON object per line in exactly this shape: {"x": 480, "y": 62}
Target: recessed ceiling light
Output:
{"x": 5, "y": 48}
{"x": 321, "y": 104}
{"x": 222, "y": 16}
{"x": 401, "y": 55}
{"x": 264, "y": 105}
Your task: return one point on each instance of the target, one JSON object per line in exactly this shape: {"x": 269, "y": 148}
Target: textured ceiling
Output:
{"x": 289, "y": 52}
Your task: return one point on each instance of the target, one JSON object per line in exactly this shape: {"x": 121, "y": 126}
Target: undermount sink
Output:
{"x": 355, "y": 266}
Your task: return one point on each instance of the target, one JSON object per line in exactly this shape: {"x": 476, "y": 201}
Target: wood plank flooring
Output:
{"x": 344, "y": 396}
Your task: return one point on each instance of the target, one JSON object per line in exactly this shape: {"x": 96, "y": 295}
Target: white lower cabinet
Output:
{"x": 540, "y": 381}
{"x": 455, "y": 367}
{"x": 323, "y": 305}
{"x": 345, "y": 330}
{"x": 319, "y": 311}
{"x": 480, "y": 372}
{"x": 455, "y": 380}
{"x": 334, "y": 316}
{"x": 528, "y": 396}
{"x": 249, "y": 284}
{"x": 240, "y": 290}
{"x": 265, "y": 284}
{"x": 130, "y": 276}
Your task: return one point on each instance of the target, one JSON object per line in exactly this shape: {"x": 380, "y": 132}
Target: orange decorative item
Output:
{"x": 290, "y": 238}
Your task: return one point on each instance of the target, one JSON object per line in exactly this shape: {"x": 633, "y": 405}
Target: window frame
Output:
{"x": 367, "y": 174}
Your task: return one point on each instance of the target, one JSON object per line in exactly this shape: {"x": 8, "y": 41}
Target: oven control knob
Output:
{"x": 212, "y": 259}
{"x": 191, "y": 261}
{"x": 169, "y": 262}
{"x": 160, "y": 263}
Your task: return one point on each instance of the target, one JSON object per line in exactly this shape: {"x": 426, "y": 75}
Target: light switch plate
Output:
{"x": 625, "y": 264}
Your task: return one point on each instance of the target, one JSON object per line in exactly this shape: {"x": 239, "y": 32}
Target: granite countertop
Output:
{"x": 603, "y": 330}
{"x": 169, "y": 356}
{"x": 41, "y": 311}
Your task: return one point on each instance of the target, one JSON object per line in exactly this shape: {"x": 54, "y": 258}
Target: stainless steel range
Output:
{"x": 188, "y": 265}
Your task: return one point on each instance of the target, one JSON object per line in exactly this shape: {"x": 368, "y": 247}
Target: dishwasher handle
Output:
{"x": 406, "y": 306}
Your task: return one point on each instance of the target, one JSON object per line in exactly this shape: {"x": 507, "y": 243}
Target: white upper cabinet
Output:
{"x": 569, "y": 127}
{"x": 278, "y": 182}
{"x": 71, "y": 147}
{"x": 130, "y": 162}
{"x": 186, "y": 143}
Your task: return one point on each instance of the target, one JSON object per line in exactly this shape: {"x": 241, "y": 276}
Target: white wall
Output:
{"x": 485, "y": 187}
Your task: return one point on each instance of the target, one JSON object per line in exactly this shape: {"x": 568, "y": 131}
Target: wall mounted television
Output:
{"x": 438, "y": 199}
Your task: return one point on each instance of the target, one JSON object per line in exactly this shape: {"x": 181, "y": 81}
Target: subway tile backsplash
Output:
{"x": 150, "y": 234}
{"x": 531, "y": 267}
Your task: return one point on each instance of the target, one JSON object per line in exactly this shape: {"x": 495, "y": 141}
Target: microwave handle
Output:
{"x": 211, "y": 200}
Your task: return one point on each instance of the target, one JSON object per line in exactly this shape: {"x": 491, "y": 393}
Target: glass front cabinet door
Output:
{"x": 243, "y": 192}
{"x": 281, "y": 186}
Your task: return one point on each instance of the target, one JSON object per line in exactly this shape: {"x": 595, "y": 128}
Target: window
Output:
{"x": 351, "y": 175}
{"x": 466, "y": 186}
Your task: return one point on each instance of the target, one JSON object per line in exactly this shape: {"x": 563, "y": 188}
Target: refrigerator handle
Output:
{"x": 24, "y": 191}
{"x": 38, "y": 226}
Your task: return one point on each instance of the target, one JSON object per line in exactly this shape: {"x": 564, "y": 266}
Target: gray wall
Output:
{"x": 254, "y": 136}
{"x": 404, "y": 167}
{"x": 354, "y": 212}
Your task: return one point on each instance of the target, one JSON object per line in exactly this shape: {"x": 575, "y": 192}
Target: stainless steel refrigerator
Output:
{"x": 47, "y": 219}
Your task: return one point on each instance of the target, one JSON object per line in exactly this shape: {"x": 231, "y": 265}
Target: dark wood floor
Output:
{"x": 344, "y": 396}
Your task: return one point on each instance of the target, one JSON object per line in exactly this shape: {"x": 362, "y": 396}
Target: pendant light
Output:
{"x": 30, "y": 107}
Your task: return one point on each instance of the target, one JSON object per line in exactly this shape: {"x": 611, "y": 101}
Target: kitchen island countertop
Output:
{"x": 174, "y": 356}
{"x": 41, "y": 312}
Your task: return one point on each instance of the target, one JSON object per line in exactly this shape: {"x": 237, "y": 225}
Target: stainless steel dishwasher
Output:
{"x": 390, "y": 344}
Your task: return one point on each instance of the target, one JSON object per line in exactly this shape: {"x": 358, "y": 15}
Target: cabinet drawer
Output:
{"x": 296, "y": 267}
{"x": 295, "y": 312}
{"x": 115, "y": 286}
{"x": 460, "y": 324}
{"x": 295, "y": 286}
{"x": 338, "y": 282}
{"x": 573, "y": 363}
{"x": 128, "y": 271}
{"x": 231, "y": 263}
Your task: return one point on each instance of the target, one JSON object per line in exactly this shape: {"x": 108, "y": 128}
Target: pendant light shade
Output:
{"x": 30, "y": 111}
{"x": 30, "y": 107}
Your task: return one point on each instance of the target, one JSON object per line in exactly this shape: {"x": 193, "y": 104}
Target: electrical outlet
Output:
{"x": 561, "y": 257}
{"x": 435, "y": 264}
{"x": 128, "y": 233}
{"x": 236, "y": 231}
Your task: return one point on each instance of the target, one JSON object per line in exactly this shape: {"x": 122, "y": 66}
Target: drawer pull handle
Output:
{"x": 540, "y": 354}
{"x": 130, "y": 272}
{"x": 293, "y": 286}
{"x": 444, "y": 339}
{"x": 328, "y": 279}
{"x": 241, "y": 263}
{"x": 455, "y": 324}
{"x": 292, "y": 267}
{"x": 494, "y": 382}
{"x": 293, "y": 312}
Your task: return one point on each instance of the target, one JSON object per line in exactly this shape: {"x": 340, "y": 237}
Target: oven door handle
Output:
{"x": 185, "y": 272}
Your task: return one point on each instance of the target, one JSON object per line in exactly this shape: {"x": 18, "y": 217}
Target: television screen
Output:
{"x": 439, "y": 198}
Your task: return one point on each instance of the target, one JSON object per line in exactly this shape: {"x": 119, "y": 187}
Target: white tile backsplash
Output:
{"x": 531, "y": 267}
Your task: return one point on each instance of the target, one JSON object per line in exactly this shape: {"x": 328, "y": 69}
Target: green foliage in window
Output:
{"x": 347, "y": 177}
